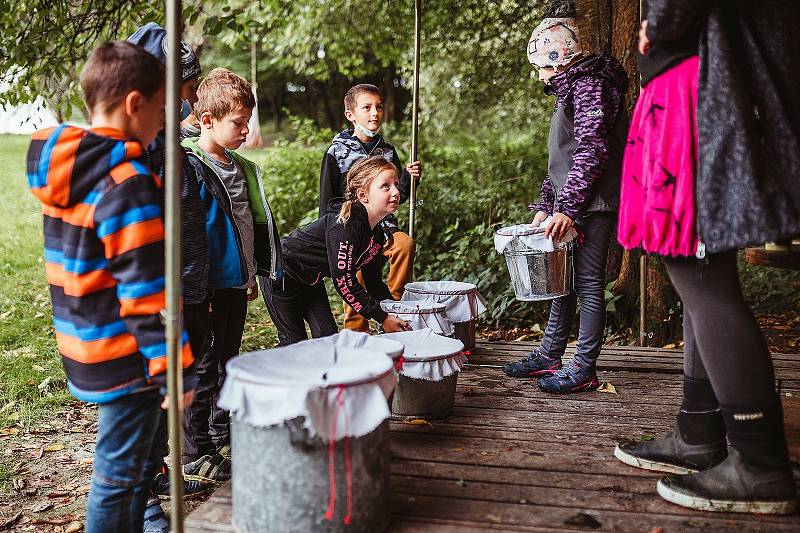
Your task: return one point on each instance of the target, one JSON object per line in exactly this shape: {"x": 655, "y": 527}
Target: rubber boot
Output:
{"x": 697, "y": 442}
{"x": 755, "y": 478}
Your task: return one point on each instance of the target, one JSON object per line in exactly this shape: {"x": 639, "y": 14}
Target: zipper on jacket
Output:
{"x": 274, "y": 273}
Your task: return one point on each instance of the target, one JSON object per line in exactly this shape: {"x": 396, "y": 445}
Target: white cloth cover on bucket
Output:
{"x": 462, "y": 301}
{"x": 420, "y": 315}
{"x": 357, "y": 339}
{"x": 328, "y": 385}
{"x": 524, "y": 233}
{"x": 428, "y": 355}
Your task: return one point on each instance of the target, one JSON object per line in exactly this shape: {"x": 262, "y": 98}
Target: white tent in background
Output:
{"x": 26, "y": 118}
{"x": 253, "y": 139}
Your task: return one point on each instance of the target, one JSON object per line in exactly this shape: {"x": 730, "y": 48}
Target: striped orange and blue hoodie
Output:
{"x": 104, "y": 256}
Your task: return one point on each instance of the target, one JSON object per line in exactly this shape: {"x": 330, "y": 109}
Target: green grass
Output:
{"x": 28, "y": 355}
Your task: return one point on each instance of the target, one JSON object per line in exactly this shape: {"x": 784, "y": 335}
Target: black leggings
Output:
{"x": 292, "y": 304}
{"x": 723, "y": 343}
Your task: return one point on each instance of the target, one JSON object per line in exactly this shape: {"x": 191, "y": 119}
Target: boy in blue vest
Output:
{"x": 243, "y": 243}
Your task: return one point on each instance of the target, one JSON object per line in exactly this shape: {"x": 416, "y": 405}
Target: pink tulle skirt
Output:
{"x": 657, "y": 200}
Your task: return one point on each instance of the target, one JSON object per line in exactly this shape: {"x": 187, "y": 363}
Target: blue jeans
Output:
{"x": 129, "y": 451}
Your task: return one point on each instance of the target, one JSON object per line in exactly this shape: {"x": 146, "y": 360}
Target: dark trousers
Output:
{"x": 292, "y": 304}
{"x": 589, "y": 263}
{"x": 206, "y": 426}
{"x": 723, "y": 343}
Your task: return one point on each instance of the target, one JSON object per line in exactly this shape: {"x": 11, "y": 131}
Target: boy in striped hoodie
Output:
{"x": 104, "y": 254}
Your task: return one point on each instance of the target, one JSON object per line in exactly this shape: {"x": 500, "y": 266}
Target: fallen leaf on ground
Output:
{"x": 54, "y": 448}
{"x": 38, "y": 368}
{"x": 42, "y": 507}
{"x": 670, "y": 345}
{"x": 87, "y": 460}
{"x": 461, "y": 483}
{"x": 607, "y": 387}
{"x": 74, "y": 527}
{"x": 9, "y": 431}
{"x": 416, "y": 422}
{"x": 457, "y": 449}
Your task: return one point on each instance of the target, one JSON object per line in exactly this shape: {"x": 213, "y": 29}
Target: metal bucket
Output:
{"x": 465, "y": 332}
{"x": 281, "y": 480}
{"x": 421, "y": 398}
{"x": 538, "y": 275}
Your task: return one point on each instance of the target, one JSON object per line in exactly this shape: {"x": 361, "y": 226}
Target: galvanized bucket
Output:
{"x": 420, "y": 398}
{"x": 464, "y": 330}
{"x": 426, "y": 386}
{"x": 282, "y": 482}
{"x": 538, "y": 275}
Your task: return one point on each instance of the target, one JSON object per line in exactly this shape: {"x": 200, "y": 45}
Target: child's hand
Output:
{"x": 415, "y": 169}
{"x": 558, "y": 227}
{"x": 644, "y": 42}
{"x": 392, "y": 324}
{"x": 538, "y": 218}
{"x": 252, "y": 293}
{"x": 188, "y": 398}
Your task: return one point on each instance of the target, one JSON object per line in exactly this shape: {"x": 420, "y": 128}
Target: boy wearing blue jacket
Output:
{"x": 243, "y": 243}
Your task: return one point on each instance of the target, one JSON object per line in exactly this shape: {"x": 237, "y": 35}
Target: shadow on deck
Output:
{"x": 513, "y": 458}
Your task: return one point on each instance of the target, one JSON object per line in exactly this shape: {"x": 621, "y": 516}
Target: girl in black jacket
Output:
{"x": 347, "y": 239}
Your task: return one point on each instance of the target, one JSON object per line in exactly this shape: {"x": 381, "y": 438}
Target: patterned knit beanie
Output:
{"x": 554, "y": 42}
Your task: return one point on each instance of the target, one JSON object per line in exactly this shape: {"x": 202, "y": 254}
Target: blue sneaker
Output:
{"x": 535, "y": 365}
{"x": 571, "y": 378}
{"x": 155, "y": 521}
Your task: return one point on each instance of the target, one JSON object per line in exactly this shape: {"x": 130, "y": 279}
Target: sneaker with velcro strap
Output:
{"x": 214, "y": 469}
{"x": 536, "y": 364}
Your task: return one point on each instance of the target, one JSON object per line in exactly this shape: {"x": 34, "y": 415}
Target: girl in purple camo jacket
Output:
{"x": 585, "y": 148}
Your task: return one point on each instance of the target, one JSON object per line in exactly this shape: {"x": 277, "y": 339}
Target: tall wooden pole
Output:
{"x": 174, "y": 332}
{"x": 412, "y": 202}
{"x": 643, "y": 265}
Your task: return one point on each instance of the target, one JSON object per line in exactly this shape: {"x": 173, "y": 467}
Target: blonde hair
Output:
{"x": 360, "y": 176}
{"x": 221, "y": 92}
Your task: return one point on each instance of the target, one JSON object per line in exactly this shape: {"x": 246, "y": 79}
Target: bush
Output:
{"x": 471, "y": 186}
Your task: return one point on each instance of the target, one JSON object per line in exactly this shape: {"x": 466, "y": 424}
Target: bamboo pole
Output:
{"x": 412, "y": 202}
{"x": 643, "y": 263}
{"x": 174, "y": 327}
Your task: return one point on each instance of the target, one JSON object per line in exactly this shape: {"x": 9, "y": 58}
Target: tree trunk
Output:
{"x": 611, "y": 26}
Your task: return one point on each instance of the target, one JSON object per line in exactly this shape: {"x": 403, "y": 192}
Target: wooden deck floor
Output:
{"x": 511, "y": 458}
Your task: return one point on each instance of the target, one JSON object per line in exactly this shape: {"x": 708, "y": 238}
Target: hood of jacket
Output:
{"x": 595, "y": 65}
{"x": 62, "y": 175}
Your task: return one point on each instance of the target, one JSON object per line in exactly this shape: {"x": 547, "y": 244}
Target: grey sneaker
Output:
{"x": 733, "y": 486}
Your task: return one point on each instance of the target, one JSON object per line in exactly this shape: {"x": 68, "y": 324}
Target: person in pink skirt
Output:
{"x": 696, "y": 186}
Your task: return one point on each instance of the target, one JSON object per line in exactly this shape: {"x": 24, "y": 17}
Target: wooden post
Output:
{"x": 412, "y": 201}
{"x": 174, "y": 326}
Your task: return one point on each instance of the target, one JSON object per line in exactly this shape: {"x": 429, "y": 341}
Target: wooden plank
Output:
{"x": 571, "y": 497}
{"x": 772, "y": 258}
{"x": 642, "y": 483}
{"x": 555, "y": 457}
{"x": 508, "y": 514}
{"x": 610, "y": 349}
